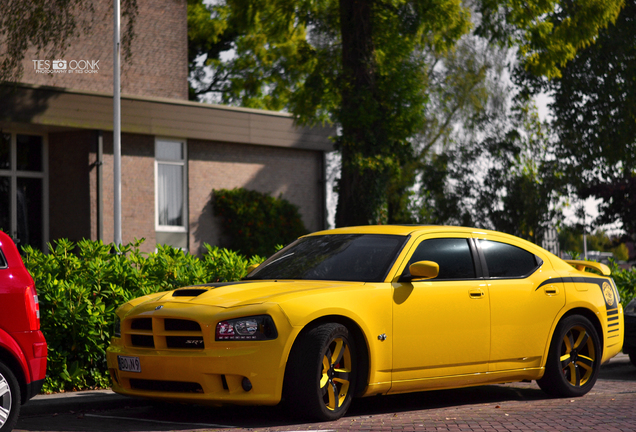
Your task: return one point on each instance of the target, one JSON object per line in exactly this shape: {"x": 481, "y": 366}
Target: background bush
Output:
{"x": 80, "y": 286}
{"x": 257, "y": 222}
{"x": 625, "y": 282}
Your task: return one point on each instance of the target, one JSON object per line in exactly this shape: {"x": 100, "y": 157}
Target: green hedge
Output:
{"x": 257, "y": 223}
{"x": 80, "y": 286}
{"x": 625, "y": 282}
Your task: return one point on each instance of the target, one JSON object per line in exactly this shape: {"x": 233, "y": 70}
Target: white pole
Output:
{"x": 584, "y": 238}
{"x": 117, "y": 125}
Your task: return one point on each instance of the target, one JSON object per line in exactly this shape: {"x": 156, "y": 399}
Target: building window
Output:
{"x": 22, "y": 188}
{"x": 170, "y": 185}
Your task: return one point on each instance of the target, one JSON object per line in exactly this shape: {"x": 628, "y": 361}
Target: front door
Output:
{"x": 441, "y": 325}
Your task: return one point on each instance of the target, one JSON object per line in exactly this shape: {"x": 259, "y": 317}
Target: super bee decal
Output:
{"x": 610, "y": 295}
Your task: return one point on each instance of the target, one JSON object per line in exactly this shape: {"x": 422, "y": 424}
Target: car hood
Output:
{"x": 233, "y": 294}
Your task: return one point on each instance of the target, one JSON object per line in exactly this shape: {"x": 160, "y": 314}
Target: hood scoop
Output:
{"x": 189, "y": 292}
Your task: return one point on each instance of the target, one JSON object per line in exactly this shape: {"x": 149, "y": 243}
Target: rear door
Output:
{"x": 522, "y": 311}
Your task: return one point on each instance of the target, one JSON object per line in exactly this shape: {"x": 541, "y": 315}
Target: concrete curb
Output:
{"x": 78, "y": 401}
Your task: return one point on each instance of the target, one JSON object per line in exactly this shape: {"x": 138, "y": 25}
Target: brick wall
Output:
{"x": 159, "y": 64}
{"x": 296, "y": 174}
{"x": 137, "y": 189}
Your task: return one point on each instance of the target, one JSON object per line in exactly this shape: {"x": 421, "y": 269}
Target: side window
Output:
{"x": 507, "y": 261}
{"x": 3, "y": 261}
{"x": 452, "y": 254}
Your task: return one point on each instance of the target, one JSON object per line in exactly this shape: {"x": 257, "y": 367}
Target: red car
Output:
{"x": 22, "y": 346}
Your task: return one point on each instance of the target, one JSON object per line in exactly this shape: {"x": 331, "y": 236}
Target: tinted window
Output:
{"x": 507, "y": 261}
{"x": 3, "y": 261}
{"x": 344, "y": 257}
{"x": 451, "y": 254}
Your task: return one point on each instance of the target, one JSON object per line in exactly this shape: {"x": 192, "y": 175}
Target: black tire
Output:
{"x": 9, "y": 399}
{"x": 574, "y": 359}
{"x": 632, "y": 358}
{"x": 320, "y": 375}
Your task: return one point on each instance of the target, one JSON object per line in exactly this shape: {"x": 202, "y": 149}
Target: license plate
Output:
{"x": 129, "y": 364}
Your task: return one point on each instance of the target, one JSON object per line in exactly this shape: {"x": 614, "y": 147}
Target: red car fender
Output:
{"x": 9, "y": 344}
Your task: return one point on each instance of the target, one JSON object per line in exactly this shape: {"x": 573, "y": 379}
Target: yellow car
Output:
{"x": 373, "y": 310}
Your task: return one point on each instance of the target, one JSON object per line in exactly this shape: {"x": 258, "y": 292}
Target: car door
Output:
{"x": 441, "y": 325}
{"x": 522, "y": 311}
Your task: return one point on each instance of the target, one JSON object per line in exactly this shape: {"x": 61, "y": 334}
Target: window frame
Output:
{"x": 477, "y": 264}
{"x": 14, "y": 174}
{"x": 183, "y": 163}
{"x": 537, "y": 259}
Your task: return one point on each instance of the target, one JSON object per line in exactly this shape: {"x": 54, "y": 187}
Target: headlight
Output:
{"x": 630, "y": 309}
{"x": 259, "y": 327}
{"x": 117, "y": 327}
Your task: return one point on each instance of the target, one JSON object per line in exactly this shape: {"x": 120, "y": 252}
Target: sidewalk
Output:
{"x": 77, "y": 401}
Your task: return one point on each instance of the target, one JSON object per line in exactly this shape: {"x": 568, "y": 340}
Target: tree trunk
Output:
{"x": 361, "y": 182}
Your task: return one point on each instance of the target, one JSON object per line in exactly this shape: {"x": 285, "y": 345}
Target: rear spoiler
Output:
{"x": 581, "y": 265}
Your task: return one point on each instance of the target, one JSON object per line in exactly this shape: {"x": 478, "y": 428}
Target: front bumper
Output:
{"x": 209, "y": 371}
{"x": 213, "y": 376}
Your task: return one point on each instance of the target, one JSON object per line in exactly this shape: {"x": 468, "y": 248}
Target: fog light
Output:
{"x": 246, "y": 384}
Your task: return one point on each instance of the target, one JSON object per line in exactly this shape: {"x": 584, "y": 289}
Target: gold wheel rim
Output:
{"x": 578, "y": 356}
{"x": 336, "y": 374}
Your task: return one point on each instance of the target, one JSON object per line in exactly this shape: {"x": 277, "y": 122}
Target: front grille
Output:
{"x": 141, "y": 324}
{"x": 143, "y": 341}
{"x": 166, "y": 386}
{"x": 186, "y": 342}
{"x": 181, "y": 325}
{"x": 164, "y": 333}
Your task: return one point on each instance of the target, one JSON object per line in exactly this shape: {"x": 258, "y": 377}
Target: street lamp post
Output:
{"x": 117, "y": 124}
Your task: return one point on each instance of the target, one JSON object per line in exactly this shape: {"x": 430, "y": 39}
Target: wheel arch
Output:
{"x": 362, "y": 345}
{"x": 12, "y": 363}
{"x": 592, "y": 318}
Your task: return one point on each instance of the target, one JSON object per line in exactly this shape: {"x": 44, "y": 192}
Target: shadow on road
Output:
{"x": 178, "y": 417}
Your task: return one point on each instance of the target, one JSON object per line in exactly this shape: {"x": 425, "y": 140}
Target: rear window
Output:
{"x": 507, "y": 261}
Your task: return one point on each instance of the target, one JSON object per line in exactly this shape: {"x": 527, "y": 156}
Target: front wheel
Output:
{"x": 574, "y": 359}
{"x": 9, "y": 399}
{"x": 320, "y": 376}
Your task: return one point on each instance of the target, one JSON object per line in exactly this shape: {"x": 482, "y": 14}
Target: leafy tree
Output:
{"x": 509, "y": 181}
{"x": 49, "y": 27}
{"x": 362, "y": 65}
{"x": 594, "y": 112}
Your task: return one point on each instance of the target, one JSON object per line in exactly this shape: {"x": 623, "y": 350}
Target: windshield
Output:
{"x": 342, "y": 257}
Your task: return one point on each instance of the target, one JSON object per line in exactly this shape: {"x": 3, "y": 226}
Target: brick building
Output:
{"x": 56, "y": 159}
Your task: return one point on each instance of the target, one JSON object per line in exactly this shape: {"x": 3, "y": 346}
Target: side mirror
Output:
{"x": 251, "y": 268}
{"x": 424, "y": 270}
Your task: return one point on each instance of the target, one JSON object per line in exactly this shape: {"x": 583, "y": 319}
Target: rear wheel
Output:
{"x": 9, "y": 399}
{"x": 574, "y": 359}
{"x": 320, "y": 375}
{"x": 632, "y": 358}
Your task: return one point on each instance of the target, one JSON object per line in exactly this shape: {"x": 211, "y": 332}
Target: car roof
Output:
{"x": 404, "y": 230}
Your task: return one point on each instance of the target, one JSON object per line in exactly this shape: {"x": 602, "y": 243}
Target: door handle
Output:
{"x": 551, "y": 290}
{"x": 476, "y": 293}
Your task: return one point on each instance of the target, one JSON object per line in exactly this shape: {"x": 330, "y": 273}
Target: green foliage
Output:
{"x": 571, "y": 239}
{"x": 256, "y": 222}
{"x": 625, "y": 282}
{"x": 80, "y": 286}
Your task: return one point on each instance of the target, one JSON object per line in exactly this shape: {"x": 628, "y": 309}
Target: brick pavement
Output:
{"x": 610, "y": 407}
